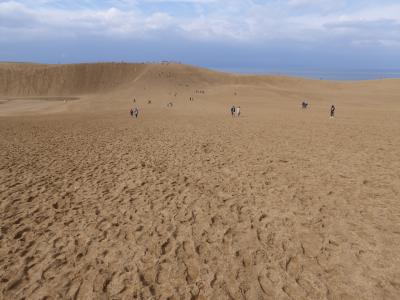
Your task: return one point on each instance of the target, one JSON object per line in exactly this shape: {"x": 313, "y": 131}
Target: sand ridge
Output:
{"x": 190, "y": 203}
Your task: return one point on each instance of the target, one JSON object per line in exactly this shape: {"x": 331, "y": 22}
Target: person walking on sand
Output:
{"x": 233, "y": 109}
{"x": 136, "y": 112}
{"x": 131, "y": 112}
{"x": 333, "y": 108}
{"x": 238, "y": 111}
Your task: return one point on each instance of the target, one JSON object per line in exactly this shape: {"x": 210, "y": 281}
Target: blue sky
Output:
{"x": 270, "y": 34}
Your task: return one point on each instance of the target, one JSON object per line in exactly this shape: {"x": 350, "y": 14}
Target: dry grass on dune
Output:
{"x": 188, "y": 202}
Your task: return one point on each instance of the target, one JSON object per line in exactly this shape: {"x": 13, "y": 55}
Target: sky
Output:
{"x": 232, "y": 35}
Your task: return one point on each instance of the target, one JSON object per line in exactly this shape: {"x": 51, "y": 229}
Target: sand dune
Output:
{"x": 188, "y": 202}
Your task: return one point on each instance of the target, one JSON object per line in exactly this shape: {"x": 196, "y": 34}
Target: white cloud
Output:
{"x": 246, "y": 20}
{"x": 51, "y": 22}
{"x": 315, "y": 3}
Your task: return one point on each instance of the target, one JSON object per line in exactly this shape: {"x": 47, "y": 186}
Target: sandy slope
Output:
{"x": 187, "y": 202}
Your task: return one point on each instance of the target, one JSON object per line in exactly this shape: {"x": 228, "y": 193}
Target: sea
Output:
{"x": 342, "y": 75}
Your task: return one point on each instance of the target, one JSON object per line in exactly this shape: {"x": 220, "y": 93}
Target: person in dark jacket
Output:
{"x": 233, "y": 110}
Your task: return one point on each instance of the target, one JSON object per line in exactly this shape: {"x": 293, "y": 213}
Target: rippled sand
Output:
{"x": 190, "y": 203}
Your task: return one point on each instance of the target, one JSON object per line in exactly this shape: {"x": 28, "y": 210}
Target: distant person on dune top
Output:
{"x": 136, "y": 112}
{"x": 233, "y": 109}
{"x": 131, "y": 112}
{"x": 238, "y": 111}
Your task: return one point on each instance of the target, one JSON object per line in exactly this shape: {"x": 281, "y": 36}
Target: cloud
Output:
{"x": 319, "y": 5}
{"x": 53, "y": 22}
{"x": 245, "y": 21}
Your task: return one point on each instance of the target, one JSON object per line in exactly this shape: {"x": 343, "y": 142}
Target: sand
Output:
{"x": 187, "y": 202}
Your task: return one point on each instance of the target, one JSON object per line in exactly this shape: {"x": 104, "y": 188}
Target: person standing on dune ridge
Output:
{"x": 233, "y": 109}
{"x": 238, "y": 111}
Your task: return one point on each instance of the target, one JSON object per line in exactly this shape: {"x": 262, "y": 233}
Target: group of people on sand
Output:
{"x": 235, "y": 111}
{"x": 304, "y": 105}
{"x": 134, "y": 112}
